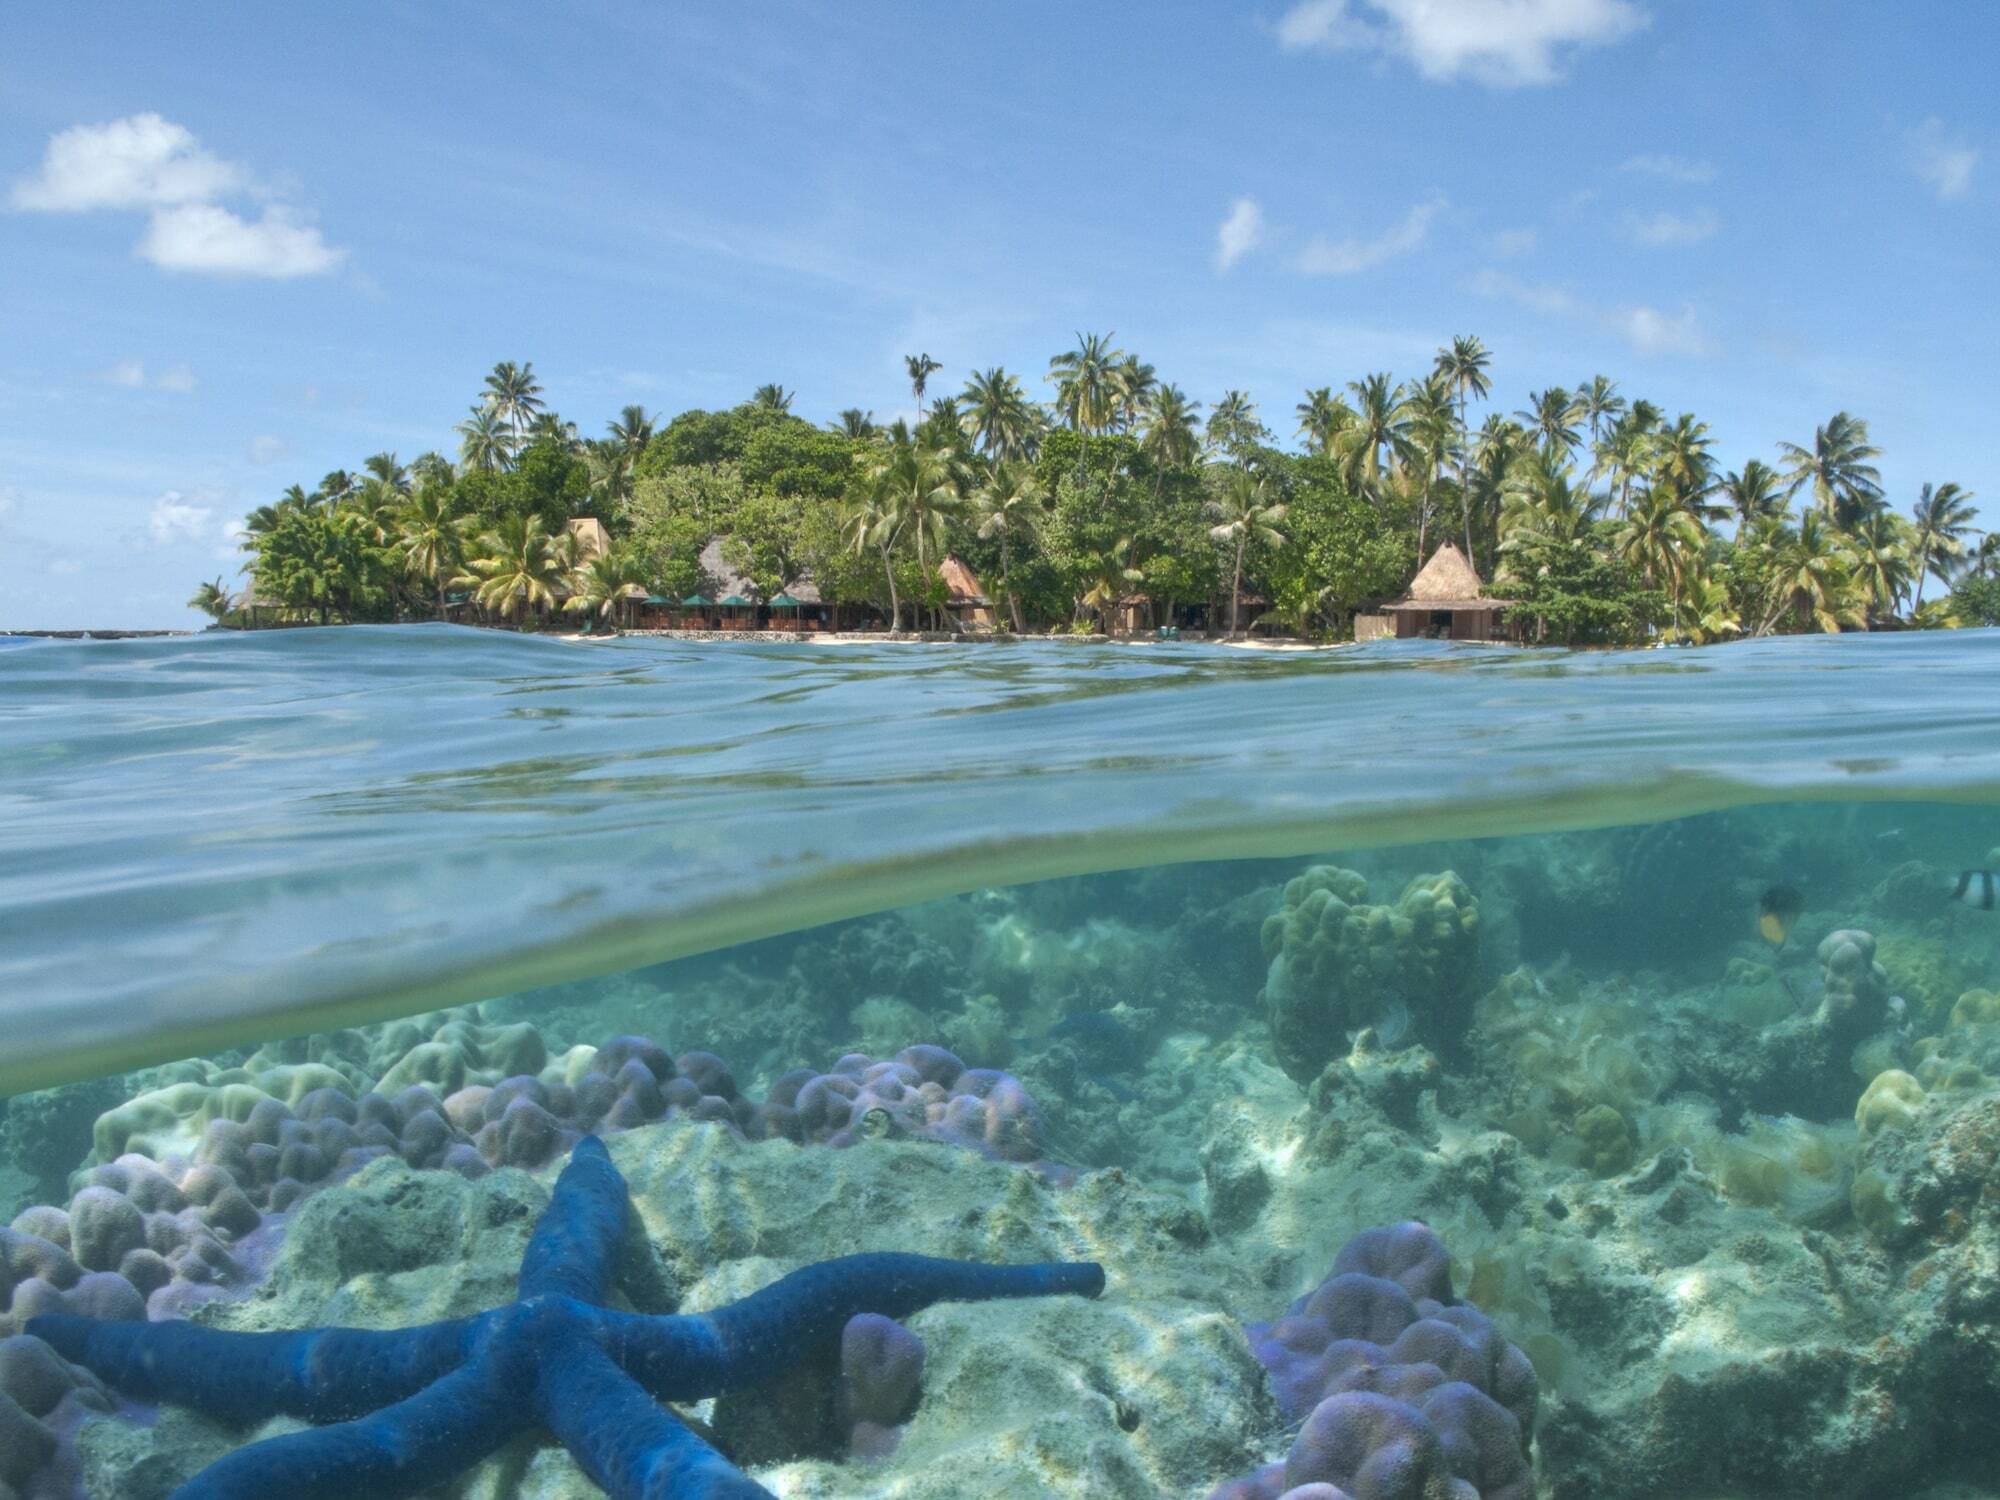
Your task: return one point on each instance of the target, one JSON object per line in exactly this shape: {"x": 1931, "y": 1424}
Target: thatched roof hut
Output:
{"x": 1447, "y": 599}
{"x": 592, "y": 540}
{"x": 965, "y": 598}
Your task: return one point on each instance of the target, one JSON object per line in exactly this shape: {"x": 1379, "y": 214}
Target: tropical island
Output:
{"x": 1120, "y": 507}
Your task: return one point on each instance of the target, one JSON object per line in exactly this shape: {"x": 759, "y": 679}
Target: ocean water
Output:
{"x": 1642, "y": 979}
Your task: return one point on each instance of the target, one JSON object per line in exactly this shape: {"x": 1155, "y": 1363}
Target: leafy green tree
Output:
{"x": 1340, "y": 551}
{"x": 1106, "y": 576}
{"x": 917, "y": 487}
{"x": 1976, "y": 600}
{"x": 1244, "y": 515}
{"x": 1844, "y": 484}
{"x": 322, "y": 561}
{"x": 430, "y": 536}
{"x": 1567, "y": 593}
{"x": 1543, "y": 503}
{"x": 871, "y": 521}
{"x": 1664, "y": 542}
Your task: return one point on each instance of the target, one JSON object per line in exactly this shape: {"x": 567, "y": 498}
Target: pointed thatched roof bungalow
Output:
{"x": 1447, "y": 601}
{"x": 964, "y": 596}
{"x": 592, "y": 540}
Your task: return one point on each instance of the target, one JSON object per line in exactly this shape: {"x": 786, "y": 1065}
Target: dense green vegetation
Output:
{"x": 1118, "y": 502}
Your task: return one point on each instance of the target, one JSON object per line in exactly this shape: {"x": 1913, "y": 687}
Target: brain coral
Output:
{"x": 1405, "y": 1392}
{"x": 1338, "y": 964}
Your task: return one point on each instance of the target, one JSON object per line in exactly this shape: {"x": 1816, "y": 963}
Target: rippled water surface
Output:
{"x": 212, "y": 840}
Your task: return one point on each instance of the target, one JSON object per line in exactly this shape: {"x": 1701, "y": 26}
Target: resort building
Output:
{"x": 1446, "y": 601}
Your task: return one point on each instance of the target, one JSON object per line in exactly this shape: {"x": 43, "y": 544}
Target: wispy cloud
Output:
{"x": 267, "y": 448}
{"x": 131, "y": 373}
{"x": 1503, "y": 43}
{"x": 1942, "y": 159}
{"x": 1510, "y": 243}
{"x": 1240, "y": 233}
{"x": 1668, "y": 228}
{"x": 1344, "y": 257}
{"x": 1670, "y": 168}
{"x": 1646, "y": 329}
{"x": 149, "y": 164}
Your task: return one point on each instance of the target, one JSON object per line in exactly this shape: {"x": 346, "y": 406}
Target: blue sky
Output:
{"x": 245, "y": 245}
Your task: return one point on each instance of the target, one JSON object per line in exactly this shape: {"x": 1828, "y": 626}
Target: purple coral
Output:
{"x": 1404, "y": 1390}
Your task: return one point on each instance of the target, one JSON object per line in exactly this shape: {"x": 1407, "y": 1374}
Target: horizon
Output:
{"x": 236, "y": 270}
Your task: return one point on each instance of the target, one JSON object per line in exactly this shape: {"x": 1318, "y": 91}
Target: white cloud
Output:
{"x": 148, "y": 163}
{"x": 1512, "y": 242}
{"x": 1943, "y": 160}
{"x": 139, "y": 162}
{"x": 1672, "y": 168}
{"x": 131, "y": 373}
{"x": 173, "y": 519}
{"x": 208, "y": 237}
{"x": 1239, "y": 234}
{"x": 1646, "y": 329}
{"x": 267, "y": 448}
{"x": 1650, "y": 331}
{"x": 1504, "y": 43}
{"x": 1344, "y": 257}
{"x": 1668, "y": 228}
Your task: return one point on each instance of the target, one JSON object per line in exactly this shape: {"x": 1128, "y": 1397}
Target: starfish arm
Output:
{"x": 683, "y": 1358}
{"x": 397, "y": 1451}
{"x": 323, "y": 1375}
{"x": 629, "y": 1444}
{"x": 574, "y": 1251}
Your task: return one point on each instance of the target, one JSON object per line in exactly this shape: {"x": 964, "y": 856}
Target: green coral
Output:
{"x": 1338, "y": 963}
{"x": 1605, "y": 1139}
{"x": 1893, "y": 1101}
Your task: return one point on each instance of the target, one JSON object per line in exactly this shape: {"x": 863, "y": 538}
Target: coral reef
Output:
{"x": 1402, "y": 1388}
{"x": 1338, "y": 964}
{"x": 411, "y": 1407}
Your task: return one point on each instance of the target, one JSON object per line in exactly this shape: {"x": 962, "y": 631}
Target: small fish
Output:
{"x": 1975, "y": 889}
{"x": 1777, "y": 910}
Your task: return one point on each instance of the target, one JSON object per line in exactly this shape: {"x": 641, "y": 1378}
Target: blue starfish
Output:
{"x": 410, "y": 1407}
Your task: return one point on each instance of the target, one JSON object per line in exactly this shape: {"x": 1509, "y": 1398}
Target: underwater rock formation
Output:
{"x": 409, "y": 1407}
{"x": 1405, "y": 1392}
{"x": 1338, "y": 964}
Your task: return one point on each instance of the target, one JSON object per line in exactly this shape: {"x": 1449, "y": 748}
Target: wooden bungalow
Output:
{"x": 1447, "y": 601}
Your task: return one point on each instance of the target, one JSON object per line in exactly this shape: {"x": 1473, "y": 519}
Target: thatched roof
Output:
{"x": 965, "y": 588}
{"x": 1447, "y": 579}
{"x": 592, "y": 540}
{"x": 721, "y": 580}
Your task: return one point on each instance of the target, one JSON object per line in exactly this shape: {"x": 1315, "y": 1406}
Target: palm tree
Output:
{"x": 771, "y": 397}
{"x": 1942, "y": 520}
{"x": 1682, "y": 463}
{"x": 212, "y": 599}
{"x": 519, "y": 566}
{"x": 855, "y": 423}
{"x": 1323, "y": 416}
{"x": 1543, "y": 503}
{"x": 337, "y": 485}
{"x": 514, "y": 395}
{"x": 1433, "y": 424}
{"x": 1495, "y": 454}
{"x": 430, "y": 535}
{"x": 1844, "y": 484}
{"x": 1233, "y": 426}
{"x": 548, "y": 427}
{"x": 870, "y": 521}
{"x": 920, "y": 367}
{"x": 1753, "y": 494}
{"x": 998, "y": 416}
{"x": 918, "y": 488}
{"x": 1812, "y": 578}
{"x": 1631, "y": 445}
{"x": 1087, "y": 382}
{"x": 1106, "y": 576}
{"x": 1136, "y": 383}
{"x": 1172, "y": 435}
{"x": 605, "y": 585}
{"x": 630, "y": 431}
{"x": 1007, "y": 504}
{"x": 1463, "y": 368}
{"x": 1552, "y": 415}
{"x": 1879, "y": 544}
{"x": 1243, "y": 515}
{"x": 1596, "y": 399}
{"x": 1378, "y": 438}
{"x": 1664, "y": 541}
{"x": 484, "y": 444}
